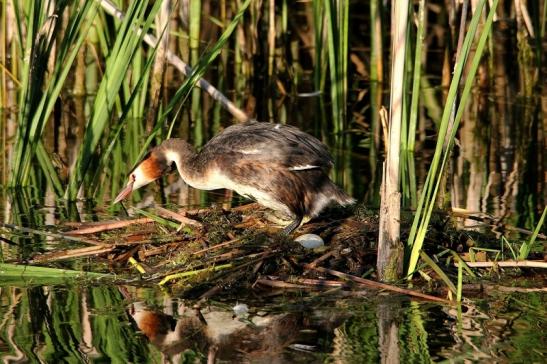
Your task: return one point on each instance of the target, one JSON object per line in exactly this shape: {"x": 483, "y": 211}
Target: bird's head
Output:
{"x": 152, "y": 167}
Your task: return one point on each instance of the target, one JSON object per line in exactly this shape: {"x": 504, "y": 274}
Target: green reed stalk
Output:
{"x": 376, "y": 78}
{"x": 442, "y": 151}
{"x": 128, "y": 40}
{"x": 416, "y": 78}
{"x": 408, "y": 139}
{"x": 336, "y": 13}
{"x": 271, "y": 39}
{"x": 442, "y": 275}
{"x": 3, "y": 62}
{"x": 4, "y": 103}
{"x": 222, "y": 72}
{"x": 407, "y": 194}
{"x": 460, "y": 282}
{"x": 544, "y": 21}
{"x": 320, "y": 66}
{"x": 376, "y": 93}
{"x": 36, "y": 104}
{"x": 41, "y": 275}
{"x": 194, "y": 34}
{"x": 49, "y": 170}
{"x": 157, "y": 78}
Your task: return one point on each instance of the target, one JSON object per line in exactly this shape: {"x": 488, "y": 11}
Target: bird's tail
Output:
{"x": 340, "y": 196}
{"x": 329, "y": 193}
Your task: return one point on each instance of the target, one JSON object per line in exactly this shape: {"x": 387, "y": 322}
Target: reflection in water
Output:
{"x": 497, "y": 166}
{"x": 218, "y": 333}
{"x": 107, "y": 324}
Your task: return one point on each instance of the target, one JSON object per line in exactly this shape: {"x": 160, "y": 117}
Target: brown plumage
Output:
{"x": 279, "y": 166}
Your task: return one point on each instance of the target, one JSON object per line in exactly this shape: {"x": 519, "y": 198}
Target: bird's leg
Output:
{"x": 293, "y": 225}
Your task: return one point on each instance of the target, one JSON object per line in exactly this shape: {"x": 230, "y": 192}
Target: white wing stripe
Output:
{"x": 302, "y": 168}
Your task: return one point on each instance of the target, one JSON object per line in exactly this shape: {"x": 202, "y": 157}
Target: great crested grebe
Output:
{"x": 279, "y": 166}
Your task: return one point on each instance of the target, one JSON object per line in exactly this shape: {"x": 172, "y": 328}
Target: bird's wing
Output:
{"x": 266, "y": 143}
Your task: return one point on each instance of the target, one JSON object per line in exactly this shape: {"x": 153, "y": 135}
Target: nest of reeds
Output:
{"x": 203, "y": 252}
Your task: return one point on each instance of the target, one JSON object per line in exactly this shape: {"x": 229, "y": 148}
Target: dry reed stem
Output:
{"x": 73, "y": 253}
{"x": 249, "y": 206}
{"x": 221, "y": 245}
{"x": 378, "y": 285}
{"x": 163, "y": 212}
{"x": 319, "y": 260}
{"x": 508, "y": 263}
{"x": 280, "y": 284}
{"x": 319, "y": 283}
{"x": 109, "y": 225}
{"x": 494, "y": 288}
{"x": 155, "y": 251}
{"x": 49, "y": 234}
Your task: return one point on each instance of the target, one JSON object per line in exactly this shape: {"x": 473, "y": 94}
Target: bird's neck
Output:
{"x": 185, "y": 157}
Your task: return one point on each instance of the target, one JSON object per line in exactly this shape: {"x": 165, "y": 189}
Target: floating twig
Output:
{"x": 168, "y": 239}
{"x": 302, "y": 283}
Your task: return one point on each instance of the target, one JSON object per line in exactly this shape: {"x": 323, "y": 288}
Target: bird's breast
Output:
{"x": 210, "y": 180}
{"x": 215, "y": 179}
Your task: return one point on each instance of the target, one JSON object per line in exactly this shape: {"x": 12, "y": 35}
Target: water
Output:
{"x": 124, "y": 324}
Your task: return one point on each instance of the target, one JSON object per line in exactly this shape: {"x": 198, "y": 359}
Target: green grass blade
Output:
{"x": 37, "y": 111}
{"x": 527, "y": 246}
{"x": 337, "y": 39}
{"x": 160, "y": 220}
{"x": 192, "y": 273}
{"x": 439, "y": 271}
{"x": 442, "y": 151}
{"x": 413, "y": 118}
{"x": 49, "y": 171}
{"x": 14, "y": 274}
{"x": 127, "y": 42}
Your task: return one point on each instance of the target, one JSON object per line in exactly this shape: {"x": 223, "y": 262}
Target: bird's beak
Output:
{"x": 125, "y": 192}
